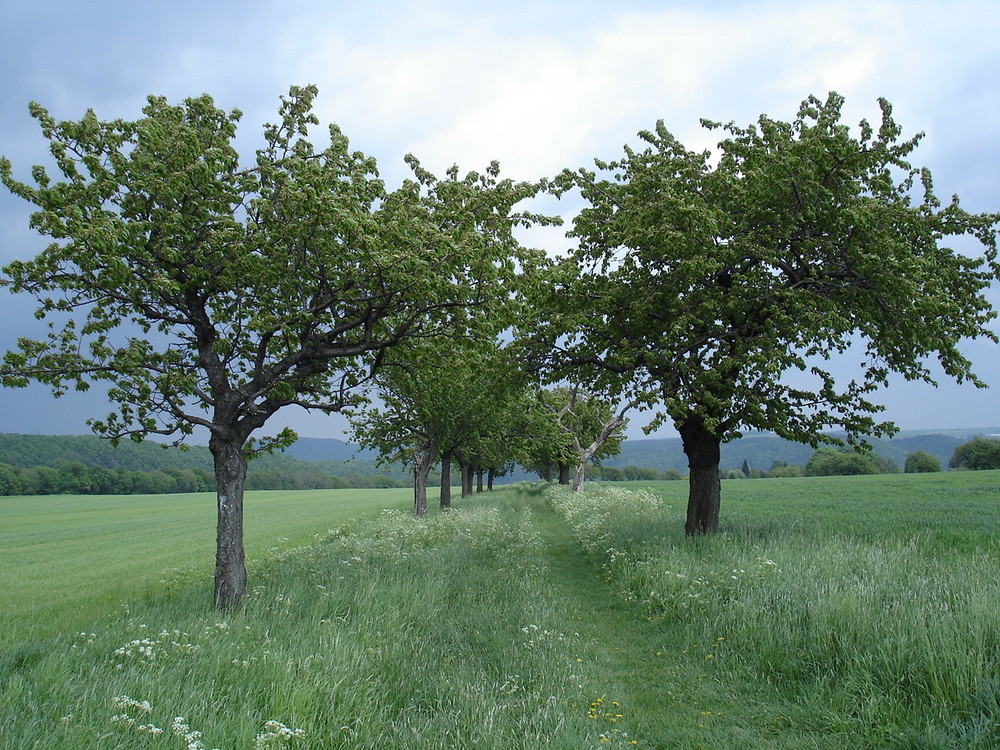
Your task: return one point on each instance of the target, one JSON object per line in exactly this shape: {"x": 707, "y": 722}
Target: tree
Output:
{"x": 210, "y": 294}
{"x": 10, "y": 481}
{"x": 977, "y": 454}
{"x": 593, "y": 427}
{"x": 548, "y": 449}
{"x": 920, "y": 462}
{"x": 828, "y": 461}
{"x": 718, "y": 284}
{"x": 435, "y": 401}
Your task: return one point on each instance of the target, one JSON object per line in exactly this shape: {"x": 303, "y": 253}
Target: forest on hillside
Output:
{"x": 88, "y": 465}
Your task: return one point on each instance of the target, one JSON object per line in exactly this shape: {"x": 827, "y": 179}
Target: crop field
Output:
{"x": 829, "y": 613}
{"x": 68, "y": 556}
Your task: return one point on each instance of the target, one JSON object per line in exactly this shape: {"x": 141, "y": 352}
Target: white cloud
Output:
{"x": 538, "y": 86}
{"x": 466, "y": 90}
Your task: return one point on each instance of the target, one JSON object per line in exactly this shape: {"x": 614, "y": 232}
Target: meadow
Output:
{"x": 855, "y": 612}
{"x": 66, "y": 559}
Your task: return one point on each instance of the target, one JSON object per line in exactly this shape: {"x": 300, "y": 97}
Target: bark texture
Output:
{"x": 466, "y": 470}
{"x": 421, "y": 468}
{"x": 703, "y": 449}
{"x": 230, "y": 568}
{"x": 446, "y": 480}
{"x": 563, "y": 473}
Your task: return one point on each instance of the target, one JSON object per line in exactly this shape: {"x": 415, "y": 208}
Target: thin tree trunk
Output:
{"x": 466, "y": 471}
{"x": 703, "y": 449}
{"x": 491, "y": 475}
{"x": 421, "y": 468}
{"x": 479, "y": 479}
{"x": 446, "y": 480}
{"x": 230, "y": 568}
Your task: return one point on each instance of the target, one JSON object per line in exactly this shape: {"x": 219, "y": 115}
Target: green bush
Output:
{"x": 977, "y": 454}
{"x": 829, "y": 461}
{"x": 781, "y": 469}
{"x": 920, "y": 462}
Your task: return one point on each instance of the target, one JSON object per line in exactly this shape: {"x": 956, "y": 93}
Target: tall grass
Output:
{"x": 826, "y": 614}
{"x": 883, "y": 632}
{"x": 386, "y": 633}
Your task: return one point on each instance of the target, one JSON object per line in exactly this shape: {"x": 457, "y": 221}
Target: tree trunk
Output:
{"x": 563, "y": 473}
{"x": 466, "y": 471}
{"x": 421, "y": 468}
{"x": 479, "y": 479}
{"x": 578, "y": 473}
{"x": 490, "y": 476}
{"x": 703, "y": 449}
{"x": 446, "y": 480}
{"x": 230, "y": 568}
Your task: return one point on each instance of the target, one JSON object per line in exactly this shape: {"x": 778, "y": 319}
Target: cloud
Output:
{"x": 466, "y": 89}
{"x": 537, "y": 86}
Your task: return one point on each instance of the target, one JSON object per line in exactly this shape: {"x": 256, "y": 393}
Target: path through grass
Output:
{"x": 649, "y": 670}
{"x": 534, "y": 618}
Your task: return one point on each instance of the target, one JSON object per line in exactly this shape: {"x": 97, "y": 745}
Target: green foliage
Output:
{"x": 87, "y": 465}
{"x": 714, "y": 286}
{"x": 209, "y": 293}
{"x": 463, "y": 399}
{"x": 830, "y": 461}
{"x": 920, "y": 462}
{"x": 781, "y": 469}
{"x": 245, "y": 281}
{"x": 569, "y": 427}
{"x": 979, "y": 453}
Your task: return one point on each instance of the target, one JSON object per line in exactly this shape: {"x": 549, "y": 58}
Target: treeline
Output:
{"x": 631, "y": 474}
{"x": 977, "y": 454}
{"x": 79, "y": 479}
{"x": 88, "y": 465}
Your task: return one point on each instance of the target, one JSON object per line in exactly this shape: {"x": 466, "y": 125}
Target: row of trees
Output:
{"x": 80, "y": 479}
{"x": 470, "y": 404}
{"x": 210, "y": 293}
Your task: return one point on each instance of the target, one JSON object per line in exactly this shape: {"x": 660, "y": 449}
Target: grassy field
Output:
{"x": 828, "y": 613}
{"x": 66, "y": 559}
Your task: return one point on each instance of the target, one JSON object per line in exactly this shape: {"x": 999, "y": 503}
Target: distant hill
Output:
{"x": 328, "y": 449}
{"x": 27, "y": 451}
{"x": 340, "y": 459}
{"x": 760, "y": 451}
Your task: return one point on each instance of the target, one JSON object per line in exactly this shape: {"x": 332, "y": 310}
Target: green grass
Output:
{"x": 828, "y": 614}
{"x": 64, "y": 559}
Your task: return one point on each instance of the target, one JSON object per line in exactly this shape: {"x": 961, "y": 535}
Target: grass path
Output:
{"x": 667, "y": 690}
{"x": 656, "y": 692}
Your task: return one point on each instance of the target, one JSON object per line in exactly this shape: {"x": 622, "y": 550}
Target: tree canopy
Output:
{"x": 921, "y": 462}
{"x": 718, "y": 284}
{"x": 211, "y": 293}
{"x": 977, "y": 454}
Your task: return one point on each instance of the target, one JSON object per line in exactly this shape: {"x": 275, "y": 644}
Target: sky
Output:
{"x": 538, "y": 86}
